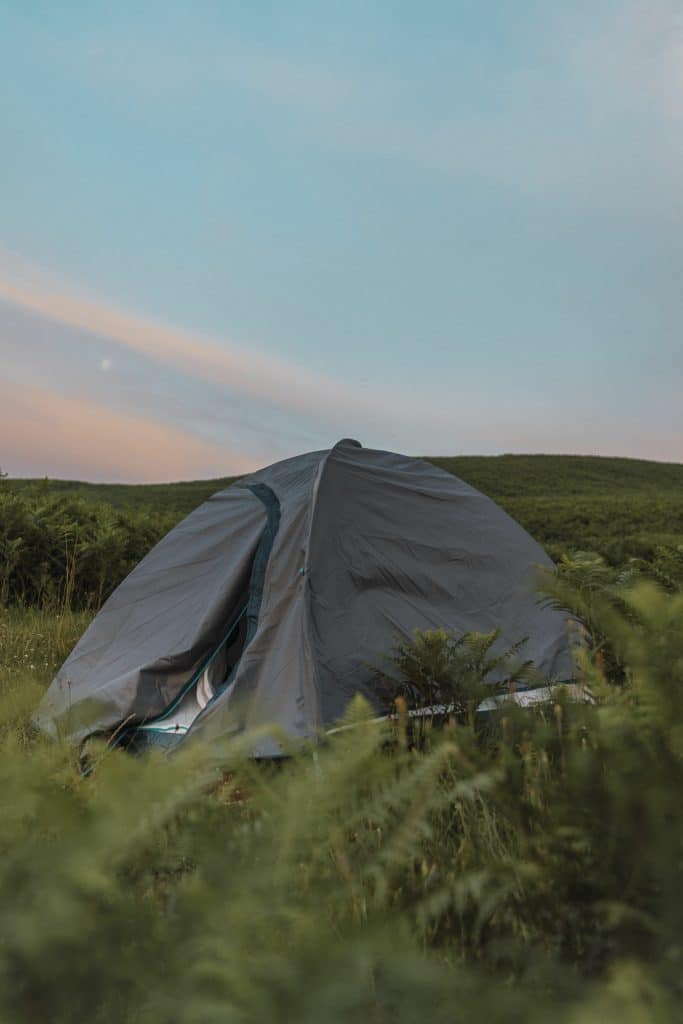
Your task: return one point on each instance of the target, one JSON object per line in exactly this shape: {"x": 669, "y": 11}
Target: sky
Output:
{"x": 233, "y": 232}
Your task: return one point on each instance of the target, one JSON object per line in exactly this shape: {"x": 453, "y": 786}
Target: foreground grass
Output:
{"x": 36, "y": 641}
{"x": 524, "y": 873}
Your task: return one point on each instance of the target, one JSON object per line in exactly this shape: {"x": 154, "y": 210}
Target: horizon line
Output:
{"x": 240, "y": 476}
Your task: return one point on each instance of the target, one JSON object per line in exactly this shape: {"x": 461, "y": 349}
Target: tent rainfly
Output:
{"x": 276, "y": 600}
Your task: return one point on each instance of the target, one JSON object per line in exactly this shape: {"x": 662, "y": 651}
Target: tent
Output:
{"x": 277, "y": 599}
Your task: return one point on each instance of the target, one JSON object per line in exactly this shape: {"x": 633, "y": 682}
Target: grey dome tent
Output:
{"x": 275, "y": 601}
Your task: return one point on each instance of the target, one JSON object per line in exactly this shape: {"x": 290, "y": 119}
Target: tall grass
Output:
{"x": 526, "y": 871}
{"x": 33, "y": 644}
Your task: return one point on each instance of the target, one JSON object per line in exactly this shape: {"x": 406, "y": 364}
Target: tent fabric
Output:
{"x": 161, "y": 624}
{"x": 334, "y": 555}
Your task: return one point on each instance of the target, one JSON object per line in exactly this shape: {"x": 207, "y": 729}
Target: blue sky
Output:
{"x": 230, "y": 232}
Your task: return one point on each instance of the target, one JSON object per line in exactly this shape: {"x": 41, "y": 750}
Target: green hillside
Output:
{"x": 179, "y": 497}
{"x": 621, "y": 509}
{"x": 500, "y": 476}
{"x": 564, "y": 475}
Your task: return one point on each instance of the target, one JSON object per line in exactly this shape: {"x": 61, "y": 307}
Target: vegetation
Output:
{"x": 174, "y": 500}
{"x": 69, "y": 552}
{"x": 436, "y": 669}
{"x": 65, "y": 540}
{"x": 527, "y": 870}
{"x": 618, "y": 508}
{"x": 526, "y": 866}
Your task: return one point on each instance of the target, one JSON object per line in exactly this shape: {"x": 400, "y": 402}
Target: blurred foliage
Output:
{"x": 526, "y": 872}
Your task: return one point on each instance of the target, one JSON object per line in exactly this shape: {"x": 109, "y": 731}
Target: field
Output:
{"x": 526, "y": 870}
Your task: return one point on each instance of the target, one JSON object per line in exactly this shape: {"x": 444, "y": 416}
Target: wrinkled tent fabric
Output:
{"x": 327, "y": 558}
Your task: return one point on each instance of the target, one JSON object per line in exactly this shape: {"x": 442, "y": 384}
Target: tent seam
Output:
{"x": 307, "y": 600}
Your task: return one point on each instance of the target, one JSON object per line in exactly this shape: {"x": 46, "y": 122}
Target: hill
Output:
{"x": 499, "y": 476}
{"x": 502, "y": 476}
{"x": 621, "y": 508}
{"x": 179, "y": 497}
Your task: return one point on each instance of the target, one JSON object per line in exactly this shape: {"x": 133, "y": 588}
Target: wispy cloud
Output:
{"x": 289, "y": 82}
{"x": 636, "y": 53}
{"x": 238, "y": 369}
{"x": 65, "y": 436}
{"x": 545, "y": 130}
{"x": 213, "y": 408}
{"x": 171, "y": 72}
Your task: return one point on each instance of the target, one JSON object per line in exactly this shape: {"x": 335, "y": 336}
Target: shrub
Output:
{"x": 64, "y": 552}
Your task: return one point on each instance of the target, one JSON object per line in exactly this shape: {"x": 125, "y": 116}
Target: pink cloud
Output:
{"x": 239, "y": 369}
{"x": 46, "y": 434}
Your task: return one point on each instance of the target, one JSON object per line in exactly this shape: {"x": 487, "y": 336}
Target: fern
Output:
{"x": 529, "y": 871}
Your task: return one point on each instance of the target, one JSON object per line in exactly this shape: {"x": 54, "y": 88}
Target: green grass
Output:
{"x": 563, "y": 476}
{"x": 35, "y": 641}
{"x": 620, "y": 508}
{"x": 526, "y": 873}
{"x": 33, "y": 644}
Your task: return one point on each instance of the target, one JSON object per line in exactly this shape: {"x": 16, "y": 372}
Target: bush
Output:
{"x": 453, "y": 674}
{"x": 69, "y": 552}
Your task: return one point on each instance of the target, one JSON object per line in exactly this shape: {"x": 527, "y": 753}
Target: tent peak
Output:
{"x": 348, "y": 441}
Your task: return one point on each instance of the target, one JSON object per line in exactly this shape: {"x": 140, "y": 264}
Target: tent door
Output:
{"x": 217, "y": 672}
